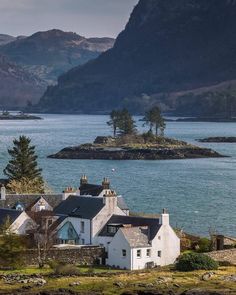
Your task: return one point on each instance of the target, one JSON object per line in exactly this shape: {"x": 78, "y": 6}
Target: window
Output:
{"x": 159, "y": 237}
{"x": 82, "y": 226}
{"x": 159, "y": 253}
{"x": 124, "y": 253}
{"x": 111, "y": 229}
{"x": 82, "y": 242}
{"x": 148, "y": 252}
{"x": 139, "y": 253}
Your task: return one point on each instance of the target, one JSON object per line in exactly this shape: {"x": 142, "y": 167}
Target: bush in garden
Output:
{"x": 196, "y": 261}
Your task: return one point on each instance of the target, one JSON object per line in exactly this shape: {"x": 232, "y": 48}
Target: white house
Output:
{"x": 137, "y": 243}
{"x": 82, "y": 217}
{"x": 19, "y": 221}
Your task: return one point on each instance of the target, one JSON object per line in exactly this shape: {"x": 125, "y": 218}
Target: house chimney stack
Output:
{"x": 165, "y": 217}
{"x": 83, "y": 180}
{"x": 3, "y": 193}
{"x": 106, "y": 183}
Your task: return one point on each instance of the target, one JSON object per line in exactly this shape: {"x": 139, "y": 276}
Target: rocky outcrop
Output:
{"x": 221, "y": 139}
{"x": 51, "y": 53}
{"x": 168, "y": 46}
{"x": 114, "y": 152}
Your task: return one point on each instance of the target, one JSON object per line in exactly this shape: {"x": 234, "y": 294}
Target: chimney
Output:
{"x": 3, "y": 193}
{"x": 165, "y": 217}
{"x": 106, "y": 183}
{"x": 83, "y": 180}
{"x": 69, "y": 191}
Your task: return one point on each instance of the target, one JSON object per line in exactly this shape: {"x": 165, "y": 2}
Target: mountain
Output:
{"x": 168, "y": 46}
{"x": 51, "y": 53}
{"x": 17, "y": 87}
{"x": 5, "y": 39}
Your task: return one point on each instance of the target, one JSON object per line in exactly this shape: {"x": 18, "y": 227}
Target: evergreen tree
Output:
{"x": 154, "y": 119}
{"x": 11, "y": 246}
{"x": 113, "y": 122}
{"x": 126, "y": 124}
{"x": 23, "y": 163}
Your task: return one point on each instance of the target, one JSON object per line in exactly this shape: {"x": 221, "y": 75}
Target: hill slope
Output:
{"x": 167, "y": 46}
{"x": 17, "y": 86}
{"x": 51, "y": 53}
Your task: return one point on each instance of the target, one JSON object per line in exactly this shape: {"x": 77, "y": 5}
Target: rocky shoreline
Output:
{"x": 171, "y": 150}
{"x": 19, "y": 117}
{"x": 219, "y": 139}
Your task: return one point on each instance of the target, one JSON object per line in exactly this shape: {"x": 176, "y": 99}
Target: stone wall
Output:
{"x": 224, "y": 255}
{"x": 82, "y": 256}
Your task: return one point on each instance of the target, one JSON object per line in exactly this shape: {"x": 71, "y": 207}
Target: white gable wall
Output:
{"x": 115, "y": 248}
{"x": 22, "y": 224}
{"x": 104, "y": 215}
{"x": 77, "y": 222}
{"x": 168, "y": 243}
{"x": 42, "y": 204}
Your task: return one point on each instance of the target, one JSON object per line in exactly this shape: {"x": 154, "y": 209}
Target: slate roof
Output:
{"x": 80, "y": 206}
{"x": 120, "y": 221}
{"x": 8, "y": 213}
{"x": 121, "y": 203}
{"x": 29, "y": 200}
{"x": 137, "y": 237}
{"x": 90, "y": 189}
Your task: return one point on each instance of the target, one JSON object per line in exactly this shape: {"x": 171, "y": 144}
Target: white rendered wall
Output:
{"x": 115, "y": 248}
{"x": 104, "y": 215}
{"x": 76, "y": 222}
{"x": 22, "y": 224}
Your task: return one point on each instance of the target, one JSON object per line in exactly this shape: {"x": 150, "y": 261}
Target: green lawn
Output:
{"x": 130, "y": 281}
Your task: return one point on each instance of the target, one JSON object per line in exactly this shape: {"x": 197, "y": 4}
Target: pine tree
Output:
{"x": 113, "y": 122}
{"x": 153, "y": 118}
{"x": 126, "y": 124}
{"x": 23, "y": 163}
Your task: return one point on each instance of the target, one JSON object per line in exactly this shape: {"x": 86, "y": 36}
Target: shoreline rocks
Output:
{"x": 219, "y": 139}
{"x": 91, "y": 152}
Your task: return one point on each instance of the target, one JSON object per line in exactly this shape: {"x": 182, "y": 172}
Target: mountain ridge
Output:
{"x": 50, "y": 53}
{"x": 167, "y": 46}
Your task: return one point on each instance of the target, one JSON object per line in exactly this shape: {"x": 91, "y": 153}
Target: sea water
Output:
{"x": 200, "y": 194}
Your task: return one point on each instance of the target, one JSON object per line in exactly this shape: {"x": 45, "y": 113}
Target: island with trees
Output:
{"x": 5, "y": 115}
{"x": 127, "y": 144}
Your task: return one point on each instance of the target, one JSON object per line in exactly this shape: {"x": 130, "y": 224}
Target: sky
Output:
{"x": 89, "y": 18}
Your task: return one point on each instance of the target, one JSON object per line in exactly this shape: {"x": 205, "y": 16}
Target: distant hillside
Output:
{"x": 168, "y": 46}
{"x": 17, "y": 86}
{"x": 51, "y": 53}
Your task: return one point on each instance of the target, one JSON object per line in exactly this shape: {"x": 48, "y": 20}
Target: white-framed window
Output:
{"x": 111, "y": 229}
{"x": 148, "y": 253}
{"x": 159, "y": 253}
{"x": 139, "y": 253}
{"x": 82, "y": 227}
{"x": 124, "y": 253}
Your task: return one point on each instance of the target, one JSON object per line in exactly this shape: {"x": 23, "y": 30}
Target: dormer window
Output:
{"x": 19, "y": 207}
{"x": 112, "y": 229}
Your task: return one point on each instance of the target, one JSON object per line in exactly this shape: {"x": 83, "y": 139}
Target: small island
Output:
{"x": 19, "y": 116}
{"x": 219, "y": 139}
{"x": 127, "y": 144}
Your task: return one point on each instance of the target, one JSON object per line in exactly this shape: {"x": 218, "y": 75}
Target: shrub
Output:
{"x": 62, "y": 268}
{"x": 196, "y": 261}
{"x": 204, "y": 245}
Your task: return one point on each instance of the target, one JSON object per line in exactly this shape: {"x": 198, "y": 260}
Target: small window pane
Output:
{"x": 159, "y": 253}
{"x": 139, "y": 253}
{"x": 124, "y": 253}
{"x": 148, "y": 252}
